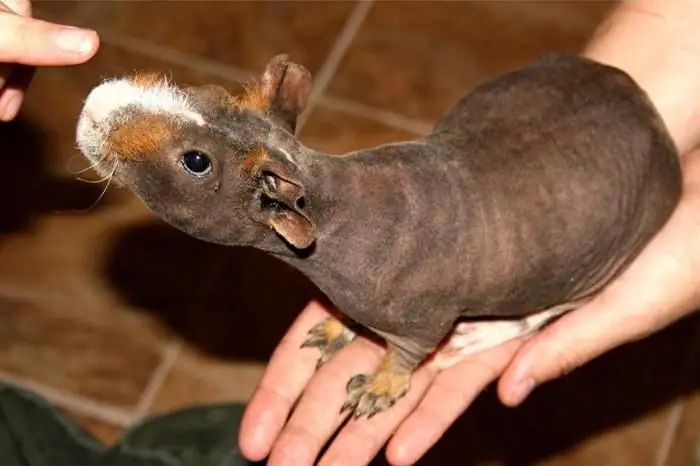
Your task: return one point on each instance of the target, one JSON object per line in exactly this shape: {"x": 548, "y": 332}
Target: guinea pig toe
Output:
{"x": 329, "y": 336}
{"x": 369, "y": 395}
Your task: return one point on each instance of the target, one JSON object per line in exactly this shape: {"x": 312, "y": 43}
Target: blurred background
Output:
{"x": 114, "y": 316}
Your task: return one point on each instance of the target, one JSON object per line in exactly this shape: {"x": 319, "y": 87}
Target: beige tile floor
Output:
{"x": 113, "y": 315}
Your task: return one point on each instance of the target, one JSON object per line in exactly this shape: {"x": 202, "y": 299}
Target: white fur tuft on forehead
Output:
{"x": 157, "y": 96}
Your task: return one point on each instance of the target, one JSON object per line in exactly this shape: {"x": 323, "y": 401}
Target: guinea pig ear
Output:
{"x": 285, "y": 87}
{"x": 283, "y": 205}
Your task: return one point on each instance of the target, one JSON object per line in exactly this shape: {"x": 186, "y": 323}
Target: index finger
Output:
{"x": 287, "y": 373}
{"x": 30, "y": 41}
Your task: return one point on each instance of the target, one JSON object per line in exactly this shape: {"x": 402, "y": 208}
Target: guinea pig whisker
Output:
{"x": 92, "y": 165}
{"x": 109, "y": 181}
{"x": 89, "y": 167}
{"x": 105, "y": 178}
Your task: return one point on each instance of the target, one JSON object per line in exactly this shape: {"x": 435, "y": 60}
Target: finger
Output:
{"x": 287, "y": 373}
{"x": 660, "y": 286}
{"x": 565, "y": 345}
{"x": 13, "y": 94}
{"x": 448, "y": 397}
{"x": 11, "y": 99}
{"x": 31, "y": 41}
{"x": 317, "y": 415}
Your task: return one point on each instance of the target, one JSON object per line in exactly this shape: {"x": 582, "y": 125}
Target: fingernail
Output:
{"x": 11, "y": 108}
{"x": 75, "y": 40}
{"x": 521, "y": 389}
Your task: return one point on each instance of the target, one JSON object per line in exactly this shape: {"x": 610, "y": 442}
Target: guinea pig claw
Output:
{"x": 369, "y": 395}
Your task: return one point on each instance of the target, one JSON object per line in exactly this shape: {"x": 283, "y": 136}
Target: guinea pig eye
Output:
{"x": 197, "y": 163}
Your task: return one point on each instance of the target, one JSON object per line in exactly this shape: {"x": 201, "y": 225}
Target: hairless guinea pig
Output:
{"x": 531, "y": 193}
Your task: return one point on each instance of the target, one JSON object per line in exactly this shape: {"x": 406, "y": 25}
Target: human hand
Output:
{"x": 414, "y": 423}
{"x": 26, "y": 42}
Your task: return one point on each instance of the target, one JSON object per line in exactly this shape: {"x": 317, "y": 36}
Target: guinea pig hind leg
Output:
{"x": 329, "y": 336}
{"x": 469, "y": 338}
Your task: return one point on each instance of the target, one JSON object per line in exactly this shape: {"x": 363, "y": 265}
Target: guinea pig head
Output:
{"x": 223, "y": 168}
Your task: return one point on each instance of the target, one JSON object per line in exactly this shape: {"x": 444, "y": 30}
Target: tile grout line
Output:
{"x": 234, "y": 73}
{"x": 167, "y": 54}
{"x": 674, "y": 418}
{"x": 169, "y": 356}
{"x": 30, "y": 294}
{"x": 669, "y": 435}
{"x": 335, "y": 56}
{"x": 171, "y": 353}
{"x": 78, "y": 404}
{"x": 171, "y": 55}
{"x": 385, "y": 117}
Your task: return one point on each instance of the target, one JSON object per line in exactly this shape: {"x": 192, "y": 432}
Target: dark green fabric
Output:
{"x": 34, "y": 433}
{"x": 204, "y": 435}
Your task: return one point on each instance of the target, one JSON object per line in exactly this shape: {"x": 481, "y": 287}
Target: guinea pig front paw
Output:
{"x": 329, "y": 336}
{"x": 369, "y": 395}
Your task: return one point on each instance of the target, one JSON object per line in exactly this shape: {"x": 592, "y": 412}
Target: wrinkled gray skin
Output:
{"x": 534, "y": 190}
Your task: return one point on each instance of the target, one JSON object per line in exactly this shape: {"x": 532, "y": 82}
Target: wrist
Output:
{"x": 657, "y": 42}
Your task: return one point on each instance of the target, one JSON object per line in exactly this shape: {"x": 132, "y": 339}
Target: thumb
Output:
{"x": 30, "y": 41}
{"x": 567, "y": 344}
